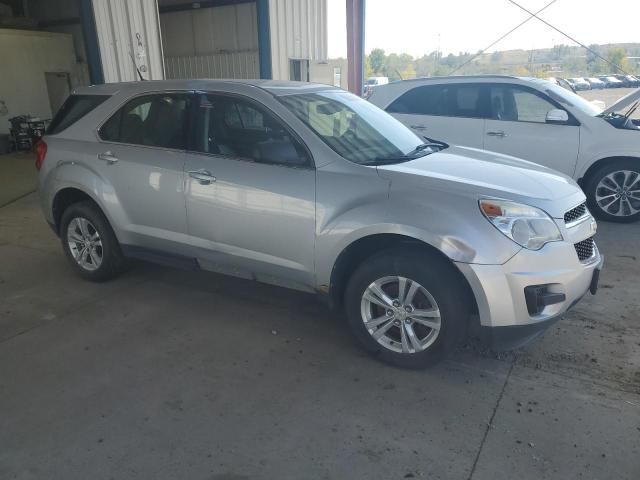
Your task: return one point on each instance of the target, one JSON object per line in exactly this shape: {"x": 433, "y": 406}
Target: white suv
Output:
{"x": 532, "y": 119}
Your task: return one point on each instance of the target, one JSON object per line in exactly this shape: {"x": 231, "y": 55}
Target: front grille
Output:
{"x": 575, "y": 213}
{"x": 585, "y": 249}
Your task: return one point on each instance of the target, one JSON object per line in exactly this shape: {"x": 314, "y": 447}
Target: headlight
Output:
{"x": 528, "y": 226}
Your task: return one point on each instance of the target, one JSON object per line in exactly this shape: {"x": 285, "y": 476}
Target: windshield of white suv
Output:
{"x": 570, "y": 99}
{"x": 357, "y": 130}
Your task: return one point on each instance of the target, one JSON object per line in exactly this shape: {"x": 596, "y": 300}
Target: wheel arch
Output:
{"x": 365, "y": 247}
{"x": 64, "y": 198}
{"x": 595, "y": 166}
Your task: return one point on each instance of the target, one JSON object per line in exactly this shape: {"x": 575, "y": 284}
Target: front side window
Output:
{"x": 449, "y": 100}
{"x": 158, "y": 120}
{"x": 234, "y": 127}
{"x": 354, "y": 128}
{"x": 515, "y": 104}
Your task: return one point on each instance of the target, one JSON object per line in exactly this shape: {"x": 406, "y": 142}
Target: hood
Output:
{"x": 624, "y": 102}
{"x": 475, "y": 172}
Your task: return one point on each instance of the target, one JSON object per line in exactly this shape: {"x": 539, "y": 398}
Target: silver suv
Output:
{"x": 312, "y": 188}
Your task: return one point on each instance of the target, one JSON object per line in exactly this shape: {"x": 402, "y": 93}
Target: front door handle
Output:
{"x": 499, "y": 133}
{"x": 418, "y": 127}
{"x": 108, "y": 157}
{"x": 203, "y": 176}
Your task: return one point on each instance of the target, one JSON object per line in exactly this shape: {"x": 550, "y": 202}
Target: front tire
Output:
{"x": 613, "y": 191}
{"x": 89, "y": 242}
{"x": 409, "y": 309}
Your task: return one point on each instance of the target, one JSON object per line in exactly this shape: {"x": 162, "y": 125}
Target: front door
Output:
{"x": 518, "y": 127}
{"x": 250, "y": 194}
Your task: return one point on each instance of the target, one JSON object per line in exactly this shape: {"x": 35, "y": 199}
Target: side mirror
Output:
{"x": 281, "y": 152}
{"x": 557, "y": 116}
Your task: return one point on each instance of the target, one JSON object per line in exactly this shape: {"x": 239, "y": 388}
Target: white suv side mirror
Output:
{"x": 557, "y": 116}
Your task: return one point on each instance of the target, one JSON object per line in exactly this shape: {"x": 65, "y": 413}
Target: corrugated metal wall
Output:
{"x": 129, "y": 31}
{"x": 219, "y": 42}
{"x": 298, "y": 31}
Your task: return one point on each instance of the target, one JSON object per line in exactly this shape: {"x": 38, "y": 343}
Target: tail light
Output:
{"x": 41, "y": 152}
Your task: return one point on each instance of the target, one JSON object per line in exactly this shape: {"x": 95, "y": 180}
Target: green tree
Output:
{"x": 368, "y": 71}
{"x": 395, "y": 64}
{"x": 377, "y": 60}
{"x": 617, "y": 58}
{"x": 594, "y": 64}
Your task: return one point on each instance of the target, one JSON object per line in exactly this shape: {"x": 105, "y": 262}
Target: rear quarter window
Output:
{"x": 73, "y": 109}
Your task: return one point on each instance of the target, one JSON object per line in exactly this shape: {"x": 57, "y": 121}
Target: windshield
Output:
{"x": 354, "y": 128}
{"x": 570, "y": 99}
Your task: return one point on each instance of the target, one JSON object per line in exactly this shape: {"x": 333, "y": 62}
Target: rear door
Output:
{"x": 250, "y": 193}
{"x": 453, "y": 113}
{"x": 141, "y": 154}
{"x": 518, "y": 127}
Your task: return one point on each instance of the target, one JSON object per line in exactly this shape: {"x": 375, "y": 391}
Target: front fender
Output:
{"x": 459, "y": 240}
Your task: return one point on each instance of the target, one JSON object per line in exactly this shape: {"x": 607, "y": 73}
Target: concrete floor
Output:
{"x": 17, "y": 176}
{"x": 165, "y": 374}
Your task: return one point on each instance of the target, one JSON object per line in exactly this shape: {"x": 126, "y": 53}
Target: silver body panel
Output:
{"x": 288, "y": 226}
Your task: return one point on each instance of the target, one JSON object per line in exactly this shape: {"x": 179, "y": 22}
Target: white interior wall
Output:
{"x": 25, "y": 56}
{"x": 48, "y": 11}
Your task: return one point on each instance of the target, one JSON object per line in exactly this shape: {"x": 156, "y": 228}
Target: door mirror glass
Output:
{"x": 280, "y": 152}
{"x": 557, "y": 116}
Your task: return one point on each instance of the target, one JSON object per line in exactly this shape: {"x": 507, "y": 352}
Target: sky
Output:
{"x": 417, "y": 27}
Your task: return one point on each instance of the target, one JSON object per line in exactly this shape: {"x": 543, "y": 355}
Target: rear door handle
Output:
{"x": 499, "y": 133}
{"x": 418, "y": 127}
{"x": 108, "y": 157}
{"x": 203, "y": 176}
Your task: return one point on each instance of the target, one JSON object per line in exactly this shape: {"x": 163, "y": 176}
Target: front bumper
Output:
{"x": 499, "y": 290}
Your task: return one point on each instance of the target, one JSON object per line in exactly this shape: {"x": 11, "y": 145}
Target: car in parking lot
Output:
{"x": 611, "y": 82}
{"x": 579, "y": 84}
{"x": 532, "y": 119}
{"x": 628, "y": 81}
{"x": 312, "y": 188}
{"x": 596, "y": 83}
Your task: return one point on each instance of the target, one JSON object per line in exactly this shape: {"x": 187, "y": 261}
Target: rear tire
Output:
{"x": 613, "y": 191}
{"x": 89, "y": 243}
{"x": 421, "y": 330}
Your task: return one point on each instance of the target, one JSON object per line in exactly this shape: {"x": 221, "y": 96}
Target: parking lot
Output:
{"x": 172, "y": 374}
{"x": 608, "y": 96}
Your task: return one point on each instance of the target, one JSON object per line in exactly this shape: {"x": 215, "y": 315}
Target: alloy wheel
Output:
{"x": 85, "y": 243}
{"x": 400, "y": 314}
{"x": 618, "y": 193}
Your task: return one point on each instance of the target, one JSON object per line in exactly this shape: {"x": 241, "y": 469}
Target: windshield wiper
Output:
{"x": 631, "y": 111}
{"x": 417, "y": 152}
{"x": 389, "y": 160}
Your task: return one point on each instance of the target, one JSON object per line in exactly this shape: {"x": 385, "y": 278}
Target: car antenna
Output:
{"x": 142, "y": 79}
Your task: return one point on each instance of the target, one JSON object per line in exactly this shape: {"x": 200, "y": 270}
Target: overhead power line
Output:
{"x": 531, "y": 16}
{"x": 569, "y": 37}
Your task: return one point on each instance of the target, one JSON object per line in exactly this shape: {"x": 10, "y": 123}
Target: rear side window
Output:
{"x": 443, "y": 100}
{"x": 158, "y": 120}
{"x": 73, "y": 109}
